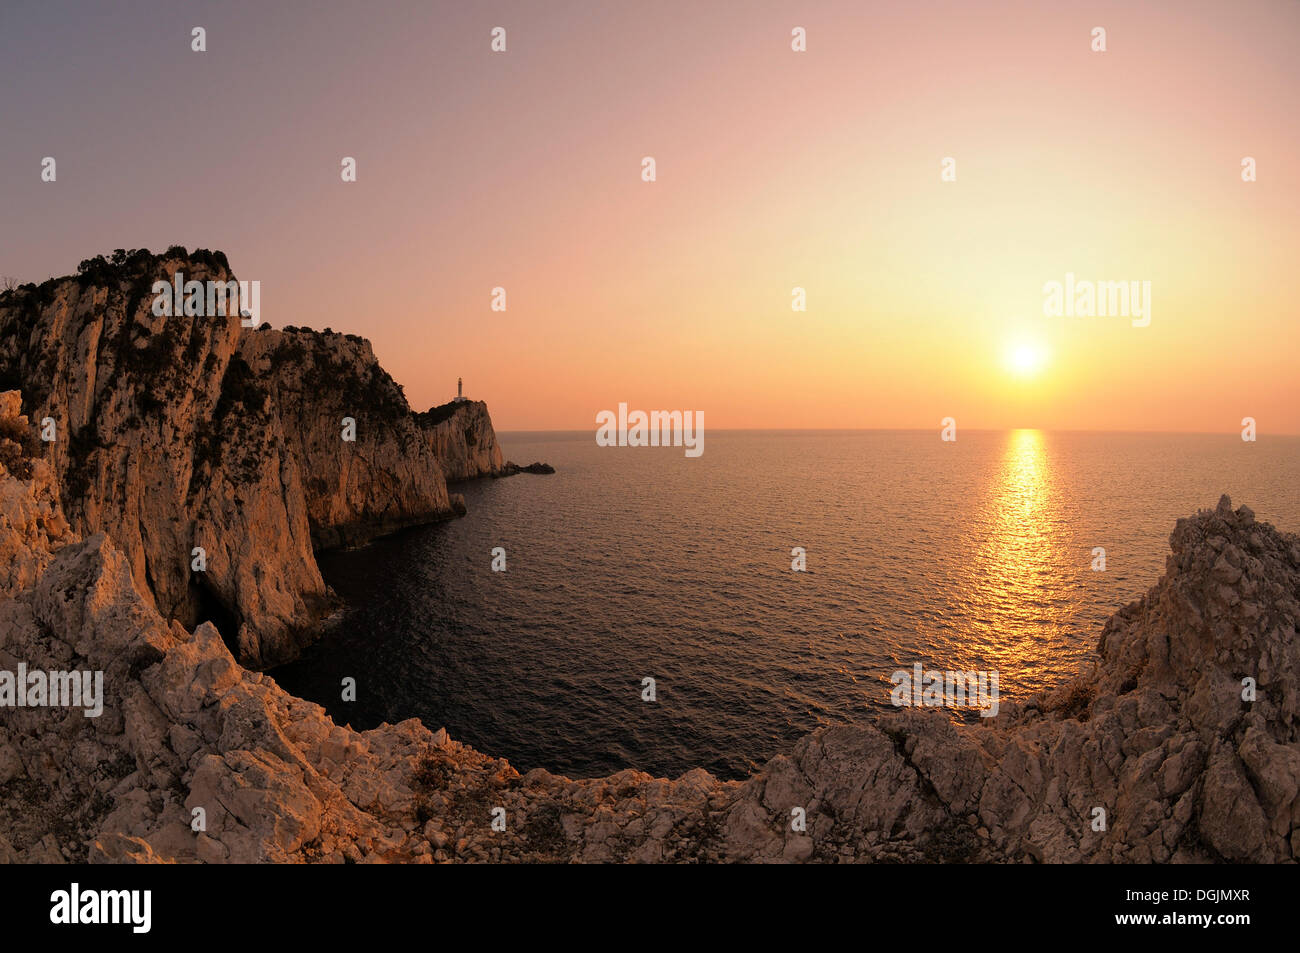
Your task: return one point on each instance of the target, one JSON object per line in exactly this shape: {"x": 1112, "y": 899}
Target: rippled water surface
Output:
{"x": 632, "y": 562}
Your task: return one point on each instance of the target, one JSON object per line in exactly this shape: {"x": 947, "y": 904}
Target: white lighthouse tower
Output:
{"x": 460, "y": 390}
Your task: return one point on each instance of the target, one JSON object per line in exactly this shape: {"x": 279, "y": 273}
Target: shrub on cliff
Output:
{"x": 95, "y": 271}
{"x": 214, "y": 260}
{"x": 436, "y": 415}
{"x": 125, "y": 265}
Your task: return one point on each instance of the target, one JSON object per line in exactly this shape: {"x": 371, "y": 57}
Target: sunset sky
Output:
{"x": 775, "y": 169}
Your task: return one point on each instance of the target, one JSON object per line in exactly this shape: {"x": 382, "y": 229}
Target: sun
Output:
{"x": 1025, "y": 358}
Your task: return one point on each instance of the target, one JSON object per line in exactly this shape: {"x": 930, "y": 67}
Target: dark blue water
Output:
{"x": 640, "y": 562}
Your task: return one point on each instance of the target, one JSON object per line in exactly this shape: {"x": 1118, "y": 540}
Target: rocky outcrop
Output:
{"x": 463, "y": 439}
{"x": 369, "y": 467}
{"x": 32, "y": 525}
{"x": 216, "y": 456}
{"x": 511, "y": 468}
{"x": 1158, "y": 736}
{"x": 165, "y": 441}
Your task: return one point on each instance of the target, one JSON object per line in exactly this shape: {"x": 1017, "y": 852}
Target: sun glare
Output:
{"x": 1025, "y": 359}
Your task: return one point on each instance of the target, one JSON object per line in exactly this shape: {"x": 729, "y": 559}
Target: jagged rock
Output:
{"x": 511, "y": 468}
{"x": 31, "y": 521}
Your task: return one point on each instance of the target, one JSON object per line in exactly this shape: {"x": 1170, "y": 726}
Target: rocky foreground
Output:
{"x": 1157, "y": 735}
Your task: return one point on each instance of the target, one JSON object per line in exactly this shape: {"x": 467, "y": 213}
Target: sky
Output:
{"x": 775, "y": 169}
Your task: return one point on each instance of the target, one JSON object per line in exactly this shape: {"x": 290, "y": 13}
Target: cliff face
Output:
{"x": 165, "y": 441}
{"x": 176, "y": 433}
{"x": 389, "y": 475}
{"x": 463, "y": 439}
{"x": 1158, "y": 736}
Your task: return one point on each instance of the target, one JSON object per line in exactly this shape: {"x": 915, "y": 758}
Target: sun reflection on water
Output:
{"x": 1021, "y": 563}
{"x": 1023, "y": 486}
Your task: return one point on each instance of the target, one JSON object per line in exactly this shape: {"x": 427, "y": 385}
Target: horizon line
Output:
{"x": 1172, "y": 433}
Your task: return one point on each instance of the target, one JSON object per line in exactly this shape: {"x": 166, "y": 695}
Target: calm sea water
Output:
{"x": 635, "y": 562}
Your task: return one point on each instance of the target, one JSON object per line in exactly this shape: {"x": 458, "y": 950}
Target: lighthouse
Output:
{"x": 460, "y": 390}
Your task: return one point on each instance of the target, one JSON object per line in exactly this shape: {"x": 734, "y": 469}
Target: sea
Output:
{"x": 662, "y": 612}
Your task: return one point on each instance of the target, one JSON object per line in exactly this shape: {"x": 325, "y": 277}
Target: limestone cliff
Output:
{"x": 1158, "y": 735}
{"x": 165, "y": 441}
{"x": 175, "y": 434}
{"x": 462, "y": 438}
{"x": 389, "y": 474}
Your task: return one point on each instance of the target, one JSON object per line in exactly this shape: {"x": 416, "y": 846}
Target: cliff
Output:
{"x": 1157, "y": 734}
{"x": 389, "y": 475}
{"x": 462, "y": 438}
{"x": 180, "y": 433}
{"x": 166, "y": 442}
